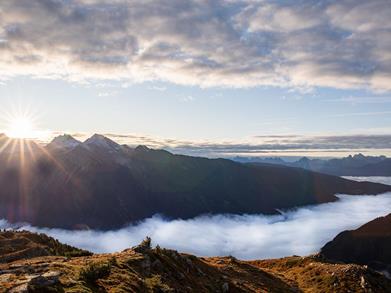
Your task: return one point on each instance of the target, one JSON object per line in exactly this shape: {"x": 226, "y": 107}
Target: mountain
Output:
{"x": 16, "y": 153}
{"x": 98, "y": 141}
{"x": 146, "y": 269}
{"x": 357, "y": 165}
{"x": 63, "y": 142}
{"x": 370, "y": 244}
{"x": 103, "y": 185}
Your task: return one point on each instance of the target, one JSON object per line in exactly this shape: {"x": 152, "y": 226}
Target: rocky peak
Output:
{"x": 102, "y": 142}
{"x": 64, "y": 141}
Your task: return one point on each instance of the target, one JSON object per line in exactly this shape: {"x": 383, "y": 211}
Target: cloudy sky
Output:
{"x": 253, "y": 77}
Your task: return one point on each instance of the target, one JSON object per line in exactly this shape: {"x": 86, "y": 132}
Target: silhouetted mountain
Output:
{"x": 357, "y": 165}
{"x": 63, "y": 142}
{"x": 101, "y": 184}
{"x": 370, "y": 244}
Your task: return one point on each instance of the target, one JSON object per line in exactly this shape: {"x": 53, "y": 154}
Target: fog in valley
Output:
{"x": 301, "y": 231}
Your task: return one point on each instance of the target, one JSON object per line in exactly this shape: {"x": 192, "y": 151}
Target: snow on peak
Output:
{"x": 64, "y": 141}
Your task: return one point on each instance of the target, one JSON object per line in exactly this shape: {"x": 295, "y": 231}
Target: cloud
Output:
{"x": 354, "y": 100}
{"x": 376, "y": 179}
{"x": 265, "y": 144}
{"x": 107, "y": 93}
{"x": 237, "y": 43}
{"x": 158, "y": 88}
{"x": 261, "y": 145}
{"x": 187, "y": 99}
{"x": 301, "y": 232}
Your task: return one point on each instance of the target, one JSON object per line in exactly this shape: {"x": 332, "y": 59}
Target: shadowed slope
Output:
{"x": 370, "y": 244}
{"x": 100, "y": 184}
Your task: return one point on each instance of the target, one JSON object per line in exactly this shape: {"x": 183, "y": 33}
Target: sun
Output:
{"x": 20, "y": 127}
{"x": 21, "y": 122}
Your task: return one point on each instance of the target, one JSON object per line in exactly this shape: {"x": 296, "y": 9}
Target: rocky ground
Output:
{"x": 146, "y": 269}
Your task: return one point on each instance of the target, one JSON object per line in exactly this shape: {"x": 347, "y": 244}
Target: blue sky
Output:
{"x": 194, "y": 113}
{"x": 201, "y": 72}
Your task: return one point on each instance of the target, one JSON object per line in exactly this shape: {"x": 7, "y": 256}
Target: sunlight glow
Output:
{"x": 20, "y": 127}
{"x": 21, "y": 122}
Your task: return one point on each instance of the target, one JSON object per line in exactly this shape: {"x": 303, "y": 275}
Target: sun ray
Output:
{"x": 30, "y": 150}
{"x": 5, "y": 145}
{"x": 22, "y": 122}
{"x": 12, "y": 151}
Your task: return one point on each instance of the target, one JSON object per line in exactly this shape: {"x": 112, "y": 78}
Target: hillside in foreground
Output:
{"x": 146, "y": 269}
{"x": 24, "y": 245}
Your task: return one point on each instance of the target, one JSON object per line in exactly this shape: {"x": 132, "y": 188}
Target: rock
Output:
{"x": 180, "y": 276}
{"x": 144, "y": 246}
{"x": 146, "y": 265}
{"x": 157, "y": 265}
{"x": 225, "y": 287}
{"x": 174, "y": 255}
{"x": 37, "y": 283}
{"x": 45, "y": 280}
{"x": 6, "y": 277}
{"x": 200, "y": 272}
{"x": 19, "y": 289}
{"x": 363, "y": 282}
{"x": 189, "y": 262}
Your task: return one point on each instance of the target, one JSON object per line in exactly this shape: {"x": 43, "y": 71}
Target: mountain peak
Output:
{"x": 359, "y": 156}
{"x": 101, "y": 141}
{"x": 141, "y": 148}
{"x": 304, "y": 160}
{"x": 65, "y": 141}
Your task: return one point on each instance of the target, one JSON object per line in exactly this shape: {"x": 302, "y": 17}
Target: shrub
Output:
{"x": 95, "y": 271}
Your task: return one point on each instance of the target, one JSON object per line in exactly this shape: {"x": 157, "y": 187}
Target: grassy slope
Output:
{"x": 25, "y": 245}
{"x": 162, "y": 270}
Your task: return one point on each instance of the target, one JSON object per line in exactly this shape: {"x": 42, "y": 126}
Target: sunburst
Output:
{"x": 20, "y": 127}
{"x": 22, "y": 124}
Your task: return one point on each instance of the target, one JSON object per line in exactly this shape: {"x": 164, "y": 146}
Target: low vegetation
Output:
{"x": 94, "y": 271}
{"x": 147, "y": 269}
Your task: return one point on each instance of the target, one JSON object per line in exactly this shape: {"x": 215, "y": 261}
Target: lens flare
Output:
{"x": 21, "y": 122}
{"x": 21, "y": 127}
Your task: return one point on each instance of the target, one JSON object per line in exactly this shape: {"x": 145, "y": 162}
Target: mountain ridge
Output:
{"x": 367, "y": 245}
{"x": 144, "y": 268}
{"x": 356, "y": 165}
{"x": 101, "y": 189}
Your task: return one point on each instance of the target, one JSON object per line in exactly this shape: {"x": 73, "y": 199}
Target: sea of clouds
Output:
{"x": 376, "y": 179}
{"x": 301, "y": 231}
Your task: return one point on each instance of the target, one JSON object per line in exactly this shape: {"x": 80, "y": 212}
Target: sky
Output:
{"x": 213, "y": 78}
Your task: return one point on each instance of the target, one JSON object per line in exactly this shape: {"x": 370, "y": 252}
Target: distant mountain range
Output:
{"x": 357, "y": 165}
{"x": 101, "y": 184}
{"x": 368, "y": 245}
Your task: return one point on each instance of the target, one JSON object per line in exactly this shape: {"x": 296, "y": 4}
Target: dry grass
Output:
{"x": 163, "y": 270}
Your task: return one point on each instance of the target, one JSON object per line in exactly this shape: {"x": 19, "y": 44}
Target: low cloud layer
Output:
{"x": 301, "y": 232}
{"x": 266, "y": 145}
{"x": 236, "y": 43}
{"x": 376, "y": 179}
